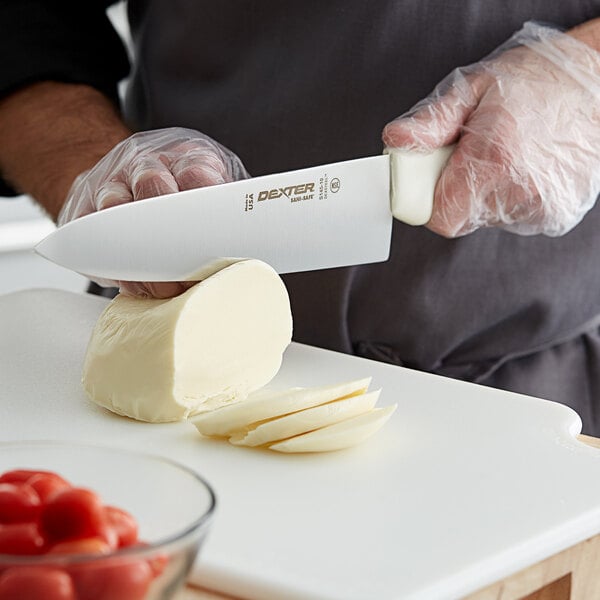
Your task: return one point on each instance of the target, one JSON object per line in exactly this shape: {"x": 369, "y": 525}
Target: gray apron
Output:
{"x": 288, "y": 85}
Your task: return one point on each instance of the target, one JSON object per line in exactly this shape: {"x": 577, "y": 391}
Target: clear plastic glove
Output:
{"x": 147, "y": 164}
{"x": 527, "y": 122}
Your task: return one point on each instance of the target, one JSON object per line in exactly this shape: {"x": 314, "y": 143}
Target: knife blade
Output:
{"x": 320, "y": 217}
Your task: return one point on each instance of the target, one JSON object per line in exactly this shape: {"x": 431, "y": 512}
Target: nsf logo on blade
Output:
{"x": 328, "y": 186}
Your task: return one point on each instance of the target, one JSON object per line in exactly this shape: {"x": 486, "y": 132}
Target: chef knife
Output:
{"x": 320, "y": 217}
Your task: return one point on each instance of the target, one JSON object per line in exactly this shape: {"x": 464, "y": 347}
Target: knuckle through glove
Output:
{"x": 526, "y": 120}
{"x": 147, "y": 164}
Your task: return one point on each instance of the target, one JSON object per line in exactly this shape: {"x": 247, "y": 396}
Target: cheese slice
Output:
{"x": 305, "y": 420}
{"x": 163, "y": 360}
{"x": 268, "y": 404}
{"x": 340, "y": 435}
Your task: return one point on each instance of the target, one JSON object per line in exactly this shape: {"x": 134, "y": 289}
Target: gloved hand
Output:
{"x": 527, "y": 122}
{"x": 147, "y": 164}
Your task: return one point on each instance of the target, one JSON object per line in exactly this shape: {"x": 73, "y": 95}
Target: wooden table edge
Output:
{"x": 589, "y": 440}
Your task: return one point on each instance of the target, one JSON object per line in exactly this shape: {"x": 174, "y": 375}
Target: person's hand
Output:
{"x": 526, "y": 120}
{"x": 147, "y": 164}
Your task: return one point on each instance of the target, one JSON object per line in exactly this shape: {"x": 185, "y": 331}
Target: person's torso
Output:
{"x": 292, "y": 85}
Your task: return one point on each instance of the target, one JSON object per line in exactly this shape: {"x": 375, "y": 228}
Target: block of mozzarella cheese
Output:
{"x": 164, "y": 360}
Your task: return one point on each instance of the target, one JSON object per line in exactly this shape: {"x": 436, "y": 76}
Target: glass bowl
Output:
{"x": 173, "y": 507}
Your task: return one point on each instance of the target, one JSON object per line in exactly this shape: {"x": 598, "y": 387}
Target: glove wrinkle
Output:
{"x": 525, "y": 119}
{"x": 145, "y": 165}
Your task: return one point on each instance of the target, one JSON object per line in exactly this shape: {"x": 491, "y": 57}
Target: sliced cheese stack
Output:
{"x": 299, "y": 419}
{"x": 163, "y": 360}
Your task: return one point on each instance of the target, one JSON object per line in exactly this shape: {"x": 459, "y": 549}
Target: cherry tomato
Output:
{"x": 20, "y": 475}
{"x": 119, "y": 579}
{"x": 21, "y": 538}
{"x": 93, "y": 545}
{"x": 123, "y": 524}
{"x": 47, "y": 484}
{"x": 72, "y": 513}
{"x": 36, "y": 583}
{"x": 158, "y": 562}
{"x": 40, "y": 512}
{"x": 19, "y": 502}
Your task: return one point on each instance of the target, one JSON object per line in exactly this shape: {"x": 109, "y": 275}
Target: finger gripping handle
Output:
{"x": 413, "y": 179}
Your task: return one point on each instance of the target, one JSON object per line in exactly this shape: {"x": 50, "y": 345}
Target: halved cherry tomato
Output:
{"x": 21, "y": 538}
{"x": 72, "y": 513}
{"x": 123, "y": 524}
{"x": 20, "y": 475}
{"x": 36, "y": 583}
{"x": 47, "y": 484}
{"x": 19, "y": 502}
{"x": 93, "y": 545}
{"x": 121, "y": 579}
{"x": 158, "y": 562}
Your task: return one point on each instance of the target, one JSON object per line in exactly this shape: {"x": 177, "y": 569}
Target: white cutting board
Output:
{"x": 462, "y": 487}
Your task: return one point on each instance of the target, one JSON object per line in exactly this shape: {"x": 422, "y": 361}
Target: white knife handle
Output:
{"x": 413, "y": 179}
